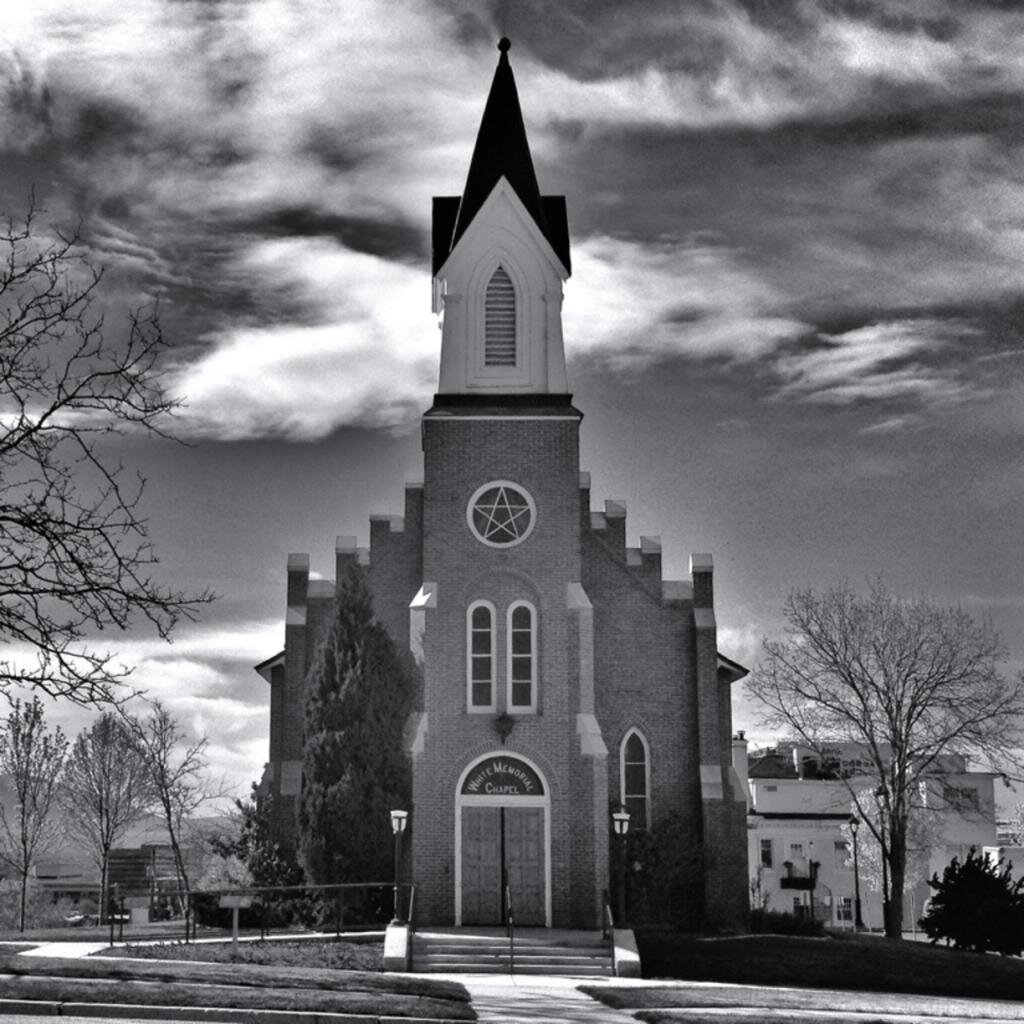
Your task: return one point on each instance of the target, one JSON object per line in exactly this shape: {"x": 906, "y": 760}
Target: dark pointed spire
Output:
{"x": 501, "y": 149}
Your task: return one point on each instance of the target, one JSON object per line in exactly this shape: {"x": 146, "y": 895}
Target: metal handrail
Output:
{"x": 607, "y": 920}
{"x": 510, "y": 924}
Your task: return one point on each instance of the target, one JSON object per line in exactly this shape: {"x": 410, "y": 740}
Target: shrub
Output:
{"x": 774, "y": 922}
{"x": 664, "y": 875}
{"x": 977, "y": 906}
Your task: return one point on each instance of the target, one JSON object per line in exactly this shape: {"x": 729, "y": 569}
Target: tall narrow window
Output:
{"x": 480, "y": 656}
{"x": 500, "y": 320}
{"x": 636, "y": 779}
{"x": 522, "y": 658}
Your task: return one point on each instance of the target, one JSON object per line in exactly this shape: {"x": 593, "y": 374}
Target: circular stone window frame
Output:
{"x": 483, "y": 489}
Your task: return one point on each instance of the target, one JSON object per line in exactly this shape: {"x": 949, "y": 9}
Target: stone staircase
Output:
{"x": 573, "y": 954}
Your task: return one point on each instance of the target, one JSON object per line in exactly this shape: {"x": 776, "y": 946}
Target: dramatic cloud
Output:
{"x": 799, "y": 222}
{"x": 631, "y": 304}
{"x": 880, "y": 361}
{"x": 370, "y": 361}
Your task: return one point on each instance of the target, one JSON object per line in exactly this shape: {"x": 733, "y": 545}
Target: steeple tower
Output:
{"x": 500, "y": 255}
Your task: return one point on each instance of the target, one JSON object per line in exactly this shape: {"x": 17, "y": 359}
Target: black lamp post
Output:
{"x": 620, "y": 824}
{"x": 858, "y": 921}
{"x": 812, "y": 874}
{"x": 399, "y": 819}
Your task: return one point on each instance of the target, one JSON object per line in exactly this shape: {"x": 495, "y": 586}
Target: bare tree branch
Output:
{"x": 907, "y": 682}
{"x": 104, "y": 790}
{"x": 177, "y": 772}
{"x": 75, "y": 554}
{"x": 32, "y": 758}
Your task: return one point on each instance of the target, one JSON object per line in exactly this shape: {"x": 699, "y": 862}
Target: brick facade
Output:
{"x": 638, "y": 655}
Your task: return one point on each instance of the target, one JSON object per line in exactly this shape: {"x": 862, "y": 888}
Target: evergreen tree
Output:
{"x": 268, "y": 862}
{"x": 977, "y": 906}
{"x": 360, "y": 692}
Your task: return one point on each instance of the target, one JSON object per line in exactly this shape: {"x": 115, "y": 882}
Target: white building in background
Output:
{"x": 799, "y": 808}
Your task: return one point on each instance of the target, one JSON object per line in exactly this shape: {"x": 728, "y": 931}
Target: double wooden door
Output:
{"x": 503, "y": 846}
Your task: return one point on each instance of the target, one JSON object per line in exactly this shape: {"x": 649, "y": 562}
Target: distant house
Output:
{"x": 141, "y": 865}
{"x": 798, "y": 805}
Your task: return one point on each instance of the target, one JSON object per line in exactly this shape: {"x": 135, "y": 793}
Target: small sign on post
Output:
{"x": 236, "y": 901}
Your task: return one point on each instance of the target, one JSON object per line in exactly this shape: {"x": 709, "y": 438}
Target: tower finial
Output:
{"x": 504, "y": 45}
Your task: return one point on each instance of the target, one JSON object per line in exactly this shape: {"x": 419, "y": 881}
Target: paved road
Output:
{"x": 24, "y": 1018}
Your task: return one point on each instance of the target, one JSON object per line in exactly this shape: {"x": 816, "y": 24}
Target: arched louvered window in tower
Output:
{"x": 500, "y": 320}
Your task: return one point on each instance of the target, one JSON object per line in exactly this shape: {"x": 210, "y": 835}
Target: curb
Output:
{"x": 212, "y": 1015}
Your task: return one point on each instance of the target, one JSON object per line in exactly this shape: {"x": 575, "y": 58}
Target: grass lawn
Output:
{"x": 235, "y": 985}
{"x": 862, "y": 963}
{"x": 709, "y": 1005}
{"x": 170, "y": 930}
{"x": 784, "y": 1006}
{"x": 860, "y": 974}
{"x": 320, "y": 953}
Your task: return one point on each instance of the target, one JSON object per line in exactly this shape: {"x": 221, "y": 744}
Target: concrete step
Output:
{"x": 502, "y": 967}
{"x": 469, "y": 953}
{"x": 502, "y": 947}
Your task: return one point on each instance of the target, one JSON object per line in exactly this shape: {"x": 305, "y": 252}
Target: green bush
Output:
{"x": 664, "y": 875}
{"x": 774, "y": 922}
{"x": 977, "y": 906}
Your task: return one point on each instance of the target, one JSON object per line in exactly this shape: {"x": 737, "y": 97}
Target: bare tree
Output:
{"x": 104, "y": 790}
{"x": 33, "y": 759}
{"x": 177, "y": 772}
{"x": 907, "y": 682}
{"x": 75, "y": 556}
{"x": 1014, "y": 826}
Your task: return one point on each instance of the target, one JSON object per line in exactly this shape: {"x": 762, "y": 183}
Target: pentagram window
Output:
{"x": 500, "y": 514}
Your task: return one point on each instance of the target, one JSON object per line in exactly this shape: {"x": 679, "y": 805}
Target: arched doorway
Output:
{"x": 502, "y": 839}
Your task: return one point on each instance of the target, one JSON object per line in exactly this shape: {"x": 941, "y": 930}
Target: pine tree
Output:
{"x": 977, "y": 906}
{"x": 256, "y": 846}
{"x": 360, "y": 692}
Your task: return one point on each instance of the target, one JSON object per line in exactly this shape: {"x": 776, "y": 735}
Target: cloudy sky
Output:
{"x": 794, "y": 321}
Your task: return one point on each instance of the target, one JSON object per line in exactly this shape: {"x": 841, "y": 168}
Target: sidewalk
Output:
{"x": 66, "y": 950}
{"x": 525, "y": 999}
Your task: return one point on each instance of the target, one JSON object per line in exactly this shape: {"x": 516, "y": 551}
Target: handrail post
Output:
{"x": 511, "y": 925}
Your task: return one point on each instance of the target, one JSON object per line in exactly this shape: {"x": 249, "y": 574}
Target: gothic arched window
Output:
{"x": 480, "y": 656}
{"x": 635, "y": 777}
{"x": 500, "y": 320}
{"x": 522, "y": 657}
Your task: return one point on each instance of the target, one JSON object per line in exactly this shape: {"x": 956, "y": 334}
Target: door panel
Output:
{"x": 524, "y": 863}
{"x": 481, "y": 865}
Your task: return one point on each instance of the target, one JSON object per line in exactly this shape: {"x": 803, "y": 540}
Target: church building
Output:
{"x": 563, "y": 678}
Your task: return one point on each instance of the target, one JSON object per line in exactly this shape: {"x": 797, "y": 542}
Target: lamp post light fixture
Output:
{"x": 399, "y": 819}
{"x": 620, "y": 825}
{"x": 858, "y": 921}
